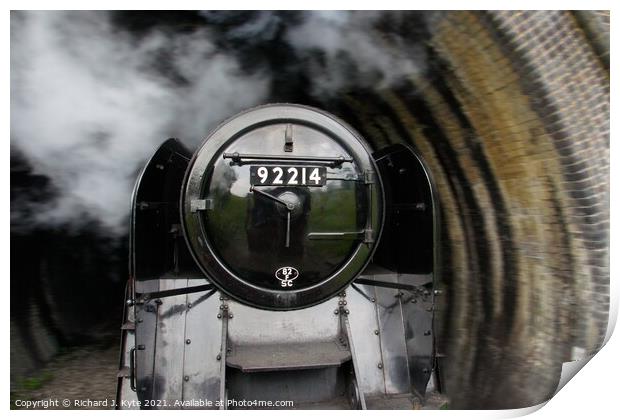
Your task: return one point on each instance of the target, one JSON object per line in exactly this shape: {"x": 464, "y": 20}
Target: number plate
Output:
{"x": 310, "y": 176}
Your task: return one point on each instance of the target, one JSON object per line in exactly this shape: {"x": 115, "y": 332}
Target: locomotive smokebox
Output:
{"x": 276, "y": 263}
{"x": 282, "y": 206}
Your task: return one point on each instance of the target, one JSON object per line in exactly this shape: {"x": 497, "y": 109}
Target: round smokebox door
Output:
{"x": 282, "y": 206}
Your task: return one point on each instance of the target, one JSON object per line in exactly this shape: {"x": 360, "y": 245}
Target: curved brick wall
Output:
{"x": 513, "y": 119}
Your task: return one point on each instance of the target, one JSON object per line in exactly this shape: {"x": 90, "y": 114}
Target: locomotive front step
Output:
{"x": 297, "y": 356}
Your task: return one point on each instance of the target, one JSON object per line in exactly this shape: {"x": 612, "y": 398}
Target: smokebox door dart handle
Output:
{"x": 288, "y": 229}
{"x": 288, "y": 206}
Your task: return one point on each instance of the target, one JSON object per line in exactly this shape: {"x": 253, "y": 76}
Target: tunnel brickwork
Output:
{"x": 512, "y": 118}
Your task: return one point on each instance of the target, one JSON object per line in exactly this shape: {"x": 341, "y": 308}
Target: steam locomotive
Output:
{"x": 284, "y": 260}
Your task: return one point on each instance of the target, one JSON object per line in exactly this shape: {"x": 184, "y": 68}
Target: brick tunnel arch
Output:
{"x": 512, "y": 118}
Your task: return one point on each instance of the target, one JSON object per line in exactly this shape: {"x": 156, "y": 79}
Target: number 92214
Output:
{"x": 310, "y": 176}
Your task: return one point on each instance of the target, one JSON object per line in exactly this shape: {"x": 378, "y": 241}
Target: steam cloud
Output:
{"x": 88, "y": 108}
{"x": 90, "y": 102}
{"x": 353, "y": 53}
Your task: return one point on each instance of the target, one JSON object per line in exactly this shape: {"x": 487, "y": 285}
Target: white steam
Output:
{"x": 354, "y": 54}
{"x": 88, "y": 108}
{"x": 90, "y": 103}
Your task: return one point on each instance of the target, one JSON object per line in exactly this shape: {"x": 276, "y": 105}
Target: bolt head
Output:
{"x": 230, "y": 315}
{"x": 219, "y": 357}
{"x": 373, "y": 300}
{"x": 336, "y": 311}
{"x": 189, "y": 305}
{"x": 380, "y": 365}
{"x": 188, "y": 341}
{"x": 376, "y": 332}
{"x": 186, "y": 378}
{"x": 219, "y": 315}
